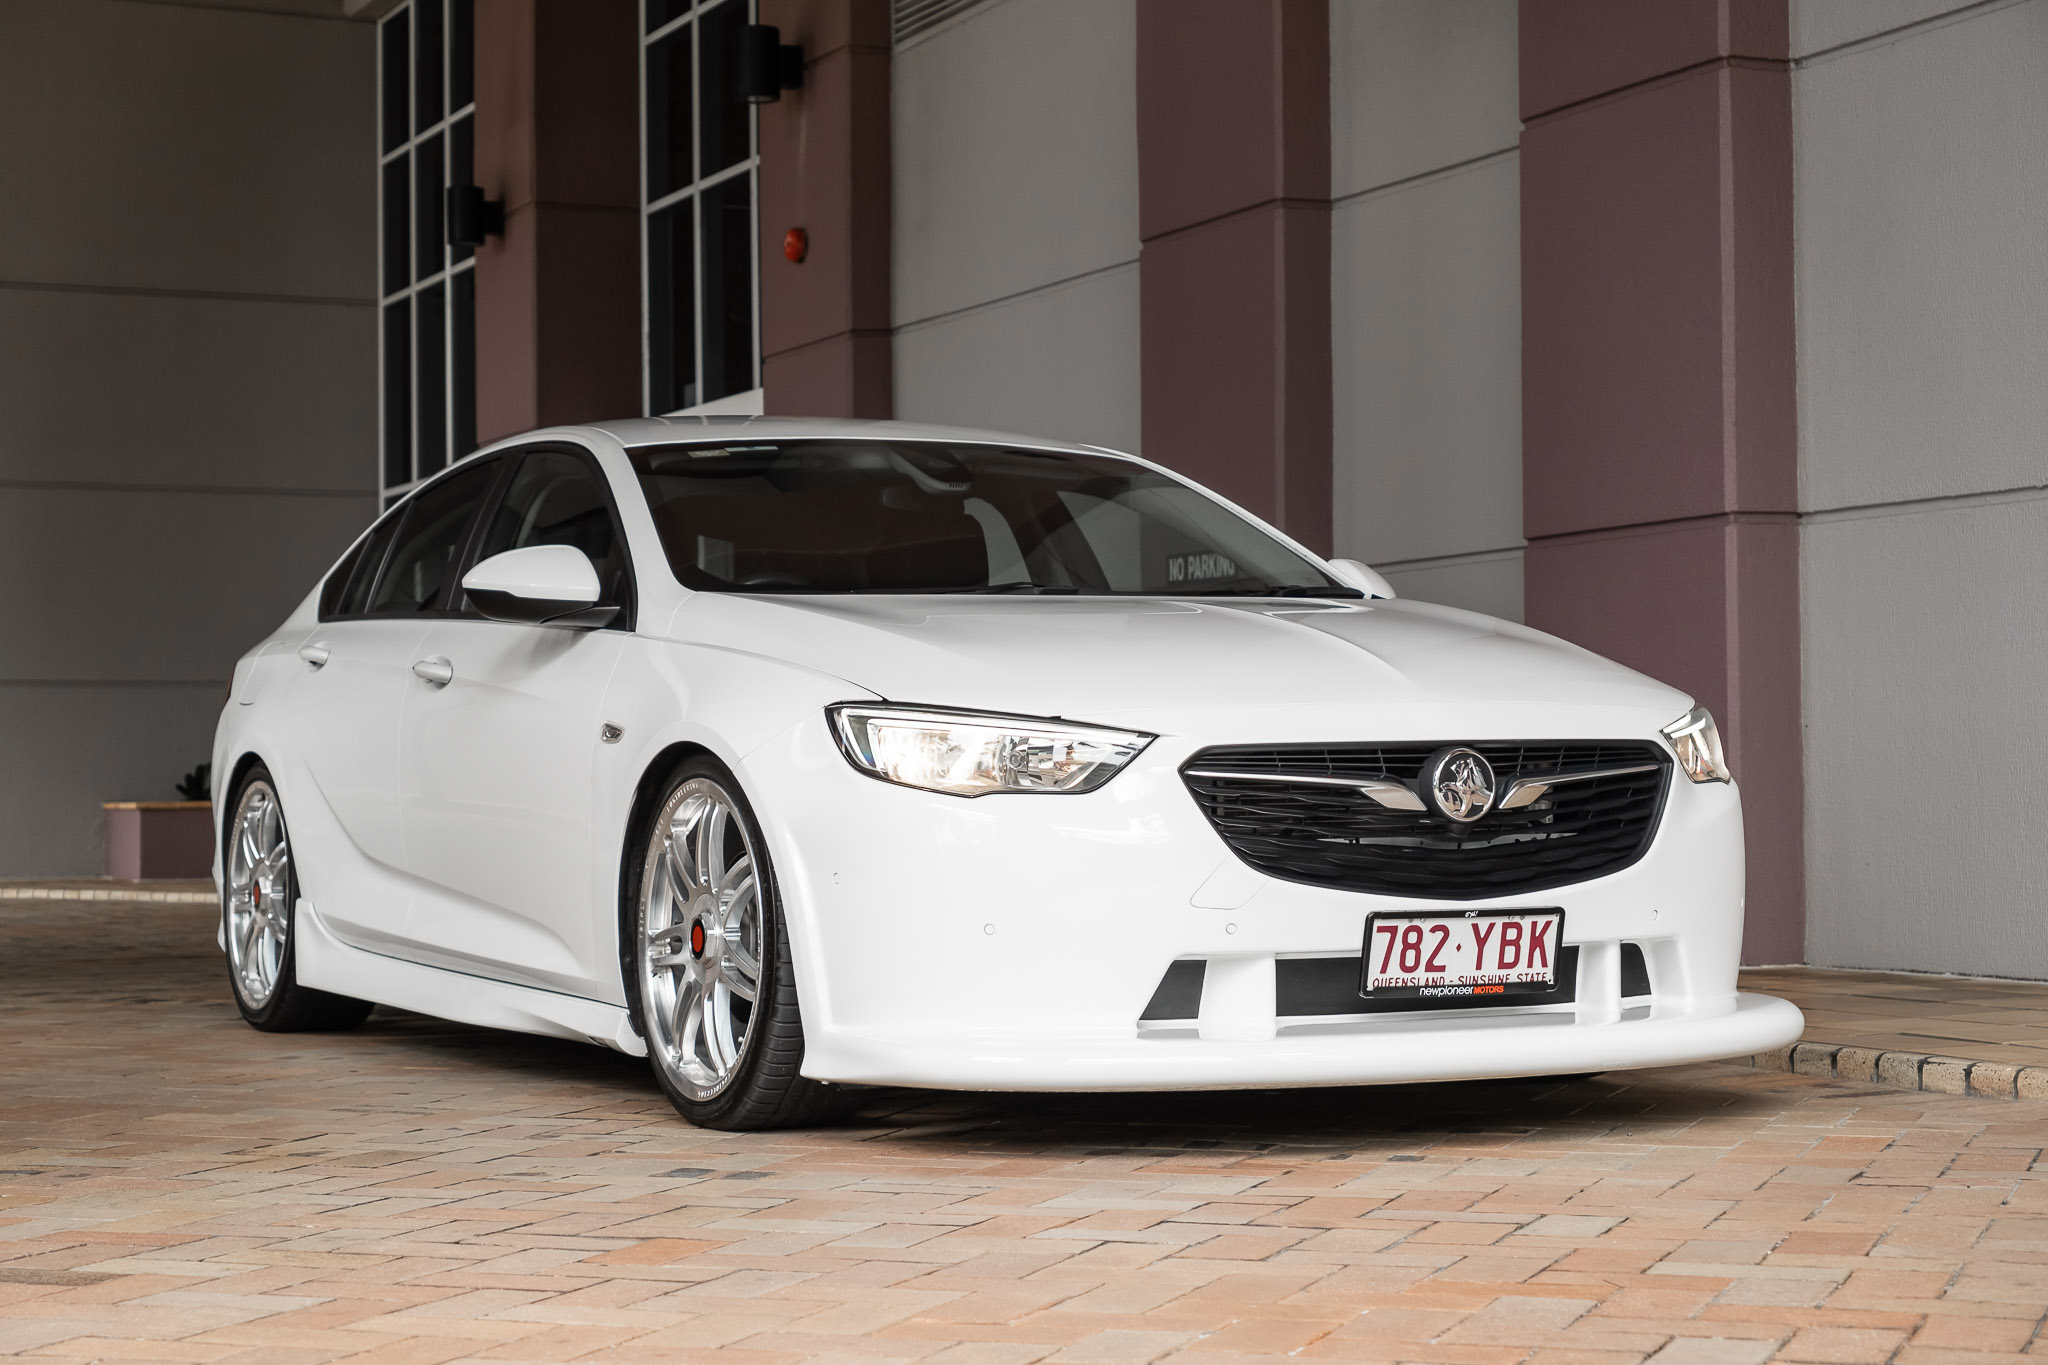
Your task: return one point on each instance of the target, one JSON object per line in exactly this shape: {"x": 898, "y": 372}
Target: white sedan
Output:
{"x": 797, "y": 754}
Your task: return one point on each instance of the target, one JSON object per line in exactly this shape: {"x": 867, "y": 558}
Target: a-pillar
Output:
{"x": 825, "y": 321}
{"x": 557, "y": 137}
{"x": 1658, "y": 411}
{"x": 1234, "y": 262}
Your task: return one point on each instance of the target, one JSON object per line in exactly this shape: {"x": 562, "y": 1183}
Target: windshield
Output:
{"x": 924, "y": 517}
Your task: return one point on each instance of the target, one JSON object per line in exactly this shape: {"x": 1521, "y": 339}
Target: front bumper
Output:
{"x": 1383, "y": 1049}
{"x": 1014, "y": 942}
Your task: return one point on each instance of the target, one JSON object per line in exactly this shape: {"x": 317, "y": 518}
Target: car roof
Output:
{"x": 645, "y": 431}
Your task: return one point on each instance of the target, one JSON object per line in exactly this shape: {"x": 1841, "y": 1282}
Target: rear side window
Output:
{"x": 434, "y": 525}
{"x": 347, "y": 591}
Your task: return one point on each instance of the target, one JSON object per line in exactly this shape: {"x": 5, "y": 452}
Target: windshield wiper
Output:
{"x": 1290, "y": 590}
{"x": 1016, "y": 587}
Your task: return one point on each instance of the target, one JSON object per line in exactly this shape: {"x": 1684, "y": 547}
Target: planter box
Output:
{"x": 159, "y": 839}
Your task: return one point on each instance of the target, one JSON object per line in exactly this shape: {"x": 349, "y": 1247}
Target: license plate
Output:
{"x": 1458, "y": 953}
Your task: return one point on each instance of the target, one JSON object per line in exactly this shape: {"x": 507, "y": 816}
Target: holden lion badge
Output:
{"x": 1459, "y": 782}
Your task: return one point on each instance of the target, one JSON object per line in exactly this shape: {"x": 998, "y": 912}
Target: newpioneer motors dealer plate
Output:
{"x": 1452, "y": 954}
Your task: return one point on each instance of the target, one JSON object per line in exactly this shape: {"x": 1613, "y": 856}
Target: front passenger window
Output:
{"x": 430, "y": 538}
{"x": 556, "y": 498}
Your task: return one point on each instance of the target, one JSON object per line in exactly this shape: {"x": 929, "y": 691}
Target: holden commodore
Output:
{"x": 799, "y": 755}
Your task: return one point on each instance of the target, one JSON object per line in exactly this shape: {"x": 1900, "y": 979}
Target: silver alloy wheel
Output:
{"x": 701, "y": 935}
{"x": 259, "y": 887}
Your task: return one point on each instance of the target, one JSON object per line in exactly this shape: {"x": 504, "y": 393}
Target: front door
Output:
{"x": 497, "y": 760}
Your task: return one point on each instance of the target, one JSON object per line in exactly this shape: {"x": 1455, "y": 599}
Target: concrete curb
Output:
{"x": 130, "y": 894}
{"x": 1908, "y": 1070}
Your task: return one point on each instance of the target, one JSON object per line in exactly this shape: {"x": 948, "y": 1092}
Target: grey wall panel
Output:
{"x": 1416, "y": 85}
{"x": 179, "y": 147}
{"x": 182, "y": 391}
{"x": 1059, "y": 362}
{"x": 187, "y": 378}
{"x": 1426, "y": 358}
{"x": 1922, "y": 658}
{"x": 1818, "y": 25}
{"x": 1489, "y": 583}
{"x": 1923, "y": 288}
{"x": 155, "y": 586}
{"x": 1923, "y": 339}
{"x": 77, "y": 746}
{"x": 1016, "y": 152}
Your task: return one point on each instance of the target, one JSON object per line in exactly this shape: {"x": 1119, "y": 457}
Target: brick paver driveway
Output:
{"x": 178, "y": 1187}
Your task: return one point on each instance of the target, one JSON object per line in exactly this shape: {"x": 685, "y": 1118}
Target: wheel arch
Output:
{"x": 647, "y": 794}
{"x": 224, "y": 796}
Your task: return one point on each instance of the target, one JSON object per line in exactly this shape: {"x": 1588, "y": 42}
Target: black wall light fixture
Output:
{"x": 768, "y": 66}
{"x": 471, "y": 217}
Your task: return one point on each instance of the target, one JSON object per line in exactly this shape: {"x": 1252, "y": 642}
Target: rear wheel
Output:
{"x": 715, "y": 993}
{"x": 258, "y": 912}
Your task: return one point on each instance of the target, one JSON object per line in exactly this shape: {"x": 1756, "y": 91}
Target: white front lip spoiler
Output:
{"x": 1389, "y": 1049}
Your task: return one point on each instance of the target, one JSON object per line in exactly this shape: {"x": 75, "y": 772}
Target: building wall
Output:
{"x": 1016, "y": 220}
{"x": 1923, "y": 346}
{"x": 187, "y": 395}
{"x": 1425, "y": 281}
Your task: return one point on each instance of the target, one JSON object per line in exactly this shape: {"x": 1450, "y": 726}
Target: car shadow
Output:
{"x": 171, "y": 977}
{"x": 1467, "y": 1115}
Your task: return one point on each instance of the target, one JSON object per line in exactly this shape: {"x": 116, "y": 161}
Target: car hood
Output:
{"x": 1161, "y": 662}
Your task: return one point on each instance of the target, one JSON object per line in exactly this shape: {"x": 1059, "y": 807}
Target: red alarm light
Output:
{"x": 796, "y": 244}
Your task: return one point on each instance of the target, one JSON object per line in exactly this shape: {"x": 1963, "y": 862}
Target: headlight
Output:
{"x": 966, "y": 754}
{"x": 1699, "y": 746}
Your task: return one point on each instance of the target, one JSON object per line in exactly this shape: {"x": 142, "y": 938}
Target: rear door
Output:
{"x": 498, "y": 761}
{"x": 345, "y": 699}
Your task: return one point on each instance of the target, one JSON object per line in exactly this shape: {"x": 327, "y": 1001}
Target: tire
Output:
{"x": 704, "y": 926}
{"x": 259, "y": 912}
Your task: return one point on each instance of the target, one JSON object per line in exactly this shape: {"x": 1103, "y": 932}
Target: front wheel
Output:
{"x": 259, "y": 909}
{"x": 715, "y": 992}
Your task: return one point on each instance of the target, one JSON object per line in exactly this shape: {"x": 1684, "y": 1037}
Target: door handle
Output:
{"x": 437, "y": 671}
{"x": 315, "y": 655}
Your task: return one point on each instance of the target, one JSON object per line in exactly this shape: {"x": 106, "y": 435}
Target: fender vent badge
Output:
{"x": 610, "y": 733}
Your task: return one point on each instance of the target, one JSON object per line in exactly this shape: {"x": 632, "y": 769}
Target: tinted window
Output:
{"x": 432, "y": 528}
{"x": 914, "y": 516}
{"x": 348, "y": 588}
{"x": 559, "y": 498}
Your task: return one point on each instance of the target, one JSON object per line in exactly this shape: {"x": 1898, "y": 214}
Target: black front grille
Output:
{"x": 1309, "y": 831}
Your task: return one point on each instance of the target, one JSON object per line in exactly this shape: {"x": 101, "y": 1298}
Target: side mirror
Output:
{"x": 1363, "y": 577}
{"x": 541, "y": 585}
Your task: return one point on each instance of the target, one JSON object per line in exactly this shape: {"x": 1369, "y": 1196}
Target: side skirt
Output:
{"x": 328, "y": 964}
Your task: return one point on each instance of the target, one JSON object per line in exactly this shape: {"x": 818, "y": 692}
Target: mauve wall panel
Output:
{"x": 507, "y": 332}
{"x": 825, "y": 168}
{"x": 585, "y": 98}
{"x": 1234, "y": 295}
{"x": 1646, "y": 293}
{"x": 1235, "y": 369}
{"x": 1205, "y": 318}
{"x": 1575, "y": 50}
{"x": 1622, "y": 394}
{"x": 1233, "y": 107}
{"x": 558, "y": 294}
{"x": 589, "y": 355}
